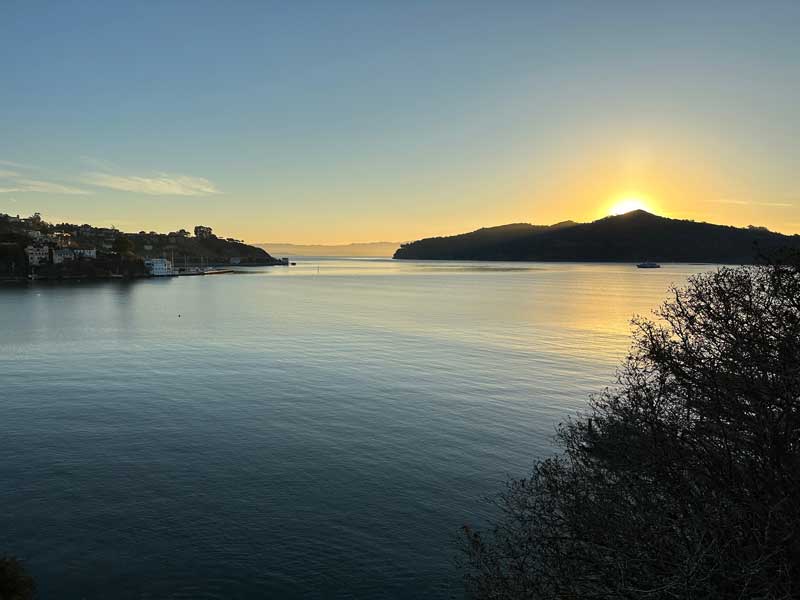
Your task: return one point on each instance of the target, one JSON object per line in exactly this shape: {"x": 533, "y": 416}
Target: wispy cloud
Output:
{"x": 16, "y": 177}
{"x": 752, "y": 203}
{"x": 99, "y": 164}
{"x": 15, "y": 165}
{"x": 44, "y": 187}
{"x": 162, "y": 184}
{"x": 14, "y": 182}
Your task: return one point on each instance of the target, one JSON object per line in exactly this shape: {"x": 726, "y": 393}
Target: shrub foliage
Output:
{"x": 682, "y": 481}
{"x": 15, "y": 582}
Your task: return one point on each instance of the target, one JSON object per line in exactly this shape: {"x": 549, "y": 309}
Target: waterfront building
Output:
{"x": 159, "y": 267}
{"x": 62, "y": 254}
{"x": 37, "y": 255}
{"x": 85, "y": 252}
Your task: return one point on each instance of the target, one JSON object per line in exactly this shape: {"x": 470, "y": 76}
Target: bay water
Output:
{"x": 317, "y": 431}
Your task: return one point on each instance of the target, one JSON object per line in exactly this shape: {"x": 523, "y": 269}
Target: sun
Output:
{"x": 626, "y": 205}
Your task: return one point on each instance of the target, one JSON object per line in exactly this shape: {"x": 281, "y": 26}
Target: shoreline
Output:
{"x": 215, "y": 270}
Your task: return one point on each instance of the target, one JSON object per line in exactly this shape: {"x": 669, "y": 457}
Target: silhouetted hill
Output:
{"x": 488, "y": 241}
{"x": 191, "y": 250}
{"x": 632, "y": 237}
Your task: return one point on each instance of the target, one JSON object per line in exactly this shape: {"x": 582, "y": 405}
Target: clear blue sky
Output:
{"x": 355, "y": 121}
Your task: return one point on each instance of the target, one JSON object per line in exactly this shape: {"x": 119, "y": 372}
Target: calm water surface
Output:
{"x": 316, "y": 431}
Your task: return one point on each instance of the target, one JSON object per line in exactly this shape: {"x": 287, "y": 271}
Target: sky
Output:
{"x": 337, "y": 122}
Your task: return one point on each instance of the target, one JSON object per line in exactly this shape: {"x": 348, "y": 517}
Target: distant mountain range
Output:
{"x": 367, "y": 249}
{"x": 631, "y": 237}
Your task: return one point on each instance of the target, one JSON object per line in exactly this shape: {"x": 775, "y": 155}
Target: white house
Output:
{"x": 63, "y": 239}
{"x": 37, "y": 255}
{"x": 62, "y": 254}
{"x": 159, "y": 267}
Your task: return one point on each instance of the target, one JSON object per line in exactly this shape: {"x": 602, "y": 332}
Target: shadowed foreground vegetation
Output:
{"x": 683, "y": 481}
{"x": 15, "y": 583}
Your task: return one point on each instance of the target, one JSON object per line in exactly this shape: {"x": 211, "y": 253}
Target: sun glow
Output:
{"x": 626, "y": 205}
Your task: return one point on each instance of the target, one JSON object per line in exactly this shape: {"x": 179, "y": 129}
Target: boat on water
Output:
{"x": 213, "y": 271}
{"x": 648, "y": 265}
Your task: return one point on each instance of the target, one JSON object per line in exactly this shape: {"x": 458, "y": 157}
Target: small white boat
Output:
{"x": 648, "y": 265}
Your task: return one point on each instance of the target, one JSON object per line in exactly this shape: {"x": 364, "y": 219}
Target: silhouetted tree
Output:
{"x": 15, "y": 582}
{"x": 683, "y": 481}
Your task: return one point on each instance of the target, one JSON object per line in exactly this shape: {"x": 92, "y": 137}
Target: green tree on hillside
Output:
{"x": 683, "y": 481}
{"x": 122, "y": 245}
